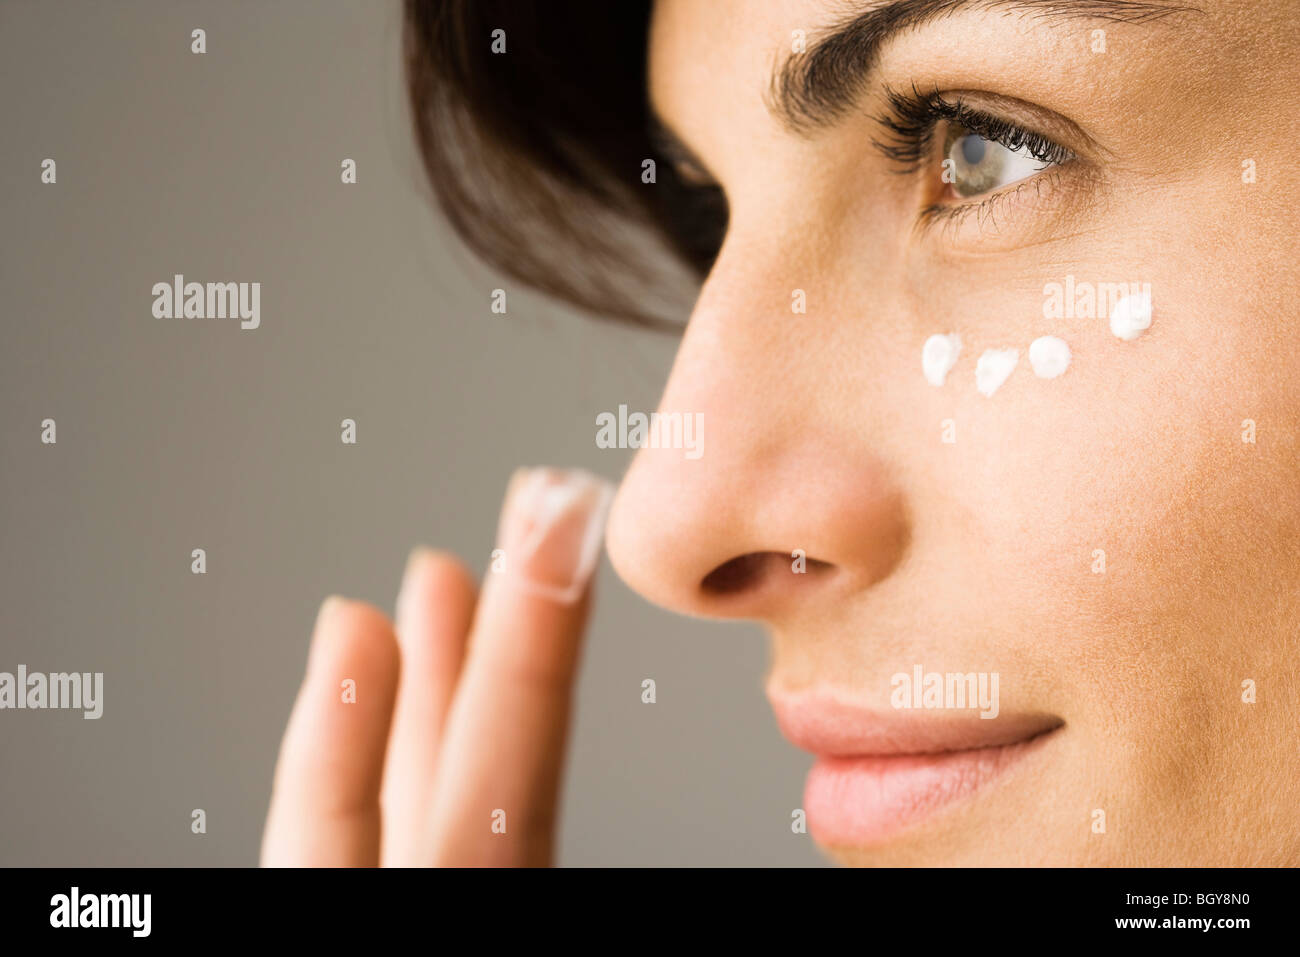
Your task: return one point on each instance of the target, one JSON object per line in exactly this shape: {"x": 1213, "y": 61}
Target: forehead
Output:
{"x": 712, "y": 45}
{"x": 710, "y": 61}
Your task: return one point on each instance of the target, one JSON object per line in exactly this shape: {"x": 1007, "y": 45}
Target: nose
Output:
{"x": 785, "y": 503}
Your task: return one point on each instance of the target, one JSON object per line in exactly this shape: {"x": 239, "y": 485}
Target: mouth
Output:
{"x": 880, "y": 773}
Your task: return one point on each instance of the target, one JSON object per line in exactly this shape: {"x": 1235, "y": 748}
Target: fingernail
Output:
{"x": 551, "y": 527}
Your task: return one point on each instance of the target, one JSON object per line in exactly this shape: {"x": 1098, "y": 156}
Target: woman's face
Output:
{"x": 1110, "y": 554}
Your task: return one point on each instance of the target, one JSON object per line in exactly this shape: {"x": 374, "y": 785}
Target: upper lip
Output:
{"x": 830, "y": 724}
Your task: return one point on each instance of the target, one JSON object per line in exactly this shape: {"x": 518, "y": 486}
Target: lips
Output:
{"x": 879, "y": 773}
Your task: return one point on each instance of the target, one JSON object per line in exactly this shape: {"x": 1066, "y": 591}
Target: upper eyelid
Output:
{"x": 1035, "y": 119}
{"x": 980, "y": 124}
{"x": 1043, "y": 123}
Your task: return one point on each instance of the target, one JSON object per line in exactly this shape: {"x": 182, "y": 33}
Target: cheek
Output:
{"x": 1129, "y": 489}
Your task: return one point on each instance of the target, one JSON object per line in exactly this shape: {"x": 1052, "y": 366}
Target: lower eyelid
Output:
{"x": 951, "y": 217}
{"x": 999, "y": 190}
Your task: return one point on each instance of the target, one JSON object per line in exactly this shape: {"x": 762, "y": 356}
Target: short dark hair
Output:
{"x": 536, "y": 155}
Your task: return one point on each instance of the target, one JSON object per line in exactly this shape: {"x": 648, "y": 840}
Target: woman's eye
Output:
{"x": 975, "y": 165}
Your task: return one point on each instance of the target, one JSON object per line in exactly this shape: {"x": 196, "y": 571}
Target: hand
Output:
{"x": 458, "y": 761}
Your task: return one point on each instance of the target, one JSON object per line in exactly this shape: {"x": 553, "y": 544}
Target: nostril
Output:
{"x": 736, "y": 575}
{"x": 746, "y": 571}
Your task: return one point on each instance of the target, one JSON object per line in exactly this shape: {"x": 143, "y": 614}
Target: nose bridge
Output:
{"x": 750, "y": 324}
{"x": 742, "y": 362}
{"x": 775, "y": 476}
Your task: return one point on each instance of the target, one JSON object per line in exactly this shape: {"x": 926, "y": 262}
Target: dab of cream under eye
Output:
{"x": 993, "y": 369}
{"x": 1131, "y": 316}
{"x": 1049, "y": 356}
{"x": 938, "y": 356}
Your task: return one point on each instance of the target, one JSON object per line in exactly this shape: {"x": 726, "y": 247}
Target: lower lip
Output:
{"x": 859, "y": 801}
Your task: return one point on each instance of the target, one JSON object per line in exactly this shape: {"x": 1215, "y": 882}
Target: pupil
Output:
{"x": 972, "y": 149}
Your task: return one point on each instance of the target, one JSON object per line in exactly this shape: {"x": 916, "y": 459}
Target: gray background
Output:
{"x": 183, "y": 434}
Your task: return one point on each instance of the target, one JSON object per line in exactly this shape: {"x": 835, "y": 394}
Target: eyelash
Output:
{"x": 910, "y": 126}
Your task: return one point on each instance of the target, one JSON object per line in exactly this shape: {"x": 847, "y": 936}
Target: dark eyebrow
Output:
{"x": 816, "y": 87}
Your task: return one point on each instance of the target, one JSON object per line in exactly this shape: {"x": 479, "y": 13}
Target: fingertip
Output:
{"x": 436, "y": 577}
{"x": 350, "y": 632}
{"x": 441, "y": 566}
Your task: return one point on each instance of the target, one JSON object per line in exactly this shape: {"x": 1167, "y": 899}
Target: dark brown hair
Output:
{"x": 536, "y": 154}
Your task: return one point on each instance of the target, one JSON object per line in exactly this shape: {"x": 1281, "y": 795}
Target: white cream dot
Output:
{"x": 938, "y": 356}
{"x": 1131, "y": 316}
{"x": 1049, "y": 356}
{"x": 993, "y": 368}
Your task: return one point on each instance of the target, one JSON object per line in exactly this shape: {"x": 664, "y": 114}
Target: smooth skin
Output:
{"x": 973, "y": 555}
